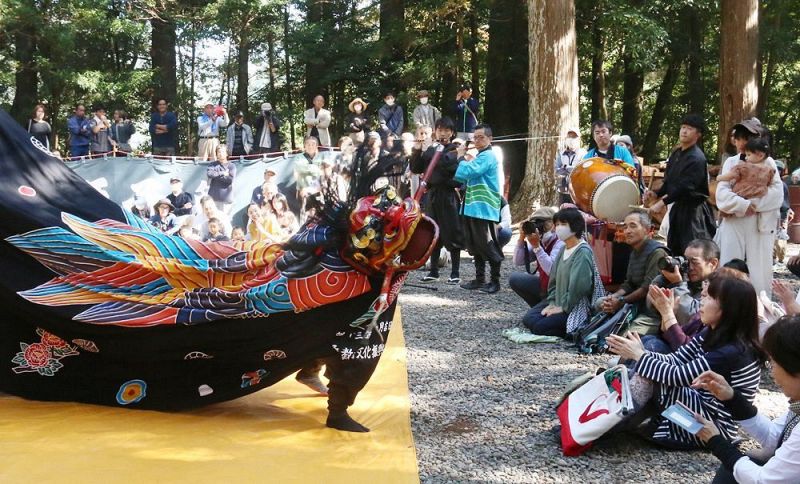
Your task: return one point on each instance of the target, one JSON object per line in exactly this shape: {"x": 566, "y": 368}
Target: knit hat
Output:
{"x": 423, "y": 93}
{"x": 266, "y": 107}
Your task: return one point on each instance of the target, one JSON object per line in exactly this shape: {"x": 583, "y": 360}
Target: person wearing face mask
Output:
{"x": 574, "y": 284}
{"x": 424, "y": 113}
{"x": 570, "y": 155}
{"x": 643, "y": 267}
{"x": 537, "y": 243}
{"x": 390, "y": 117}
{"x": 357, "y": 123}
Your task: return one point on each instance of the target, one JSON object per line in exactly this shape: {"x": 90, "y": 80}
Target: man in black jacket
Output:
{"x": 686, "y": 187}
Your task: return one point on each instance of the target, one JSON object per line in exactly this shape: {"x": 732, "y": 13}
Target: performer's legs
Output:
{"x": 347, "y": 378}
{"x": 433, "y": 273}
{"x": 309, "y": 376}
{"x": 480, "y": 273}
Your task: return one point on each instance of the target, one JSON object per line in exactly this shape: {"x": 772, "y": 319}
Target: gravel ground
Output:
{"x": 483, "y": 407}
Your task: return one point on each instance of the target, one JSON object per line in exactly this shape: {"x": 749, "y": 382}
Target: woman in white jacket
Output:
{"x": 748, "y": 227}
{"x": 779, "y": 457}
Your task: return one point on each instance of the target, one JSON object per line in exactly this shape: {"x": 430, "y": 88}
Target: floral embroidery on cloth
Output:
{"x": 274, "y": 355}
{"x": 252, "y": 378}
{"x": 43, "y": 357}
{"x": 131, "y": 391}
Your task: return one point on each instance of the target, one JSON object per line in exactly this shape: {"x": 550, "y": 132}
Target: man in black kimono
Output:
{"x": 686, "y": 187}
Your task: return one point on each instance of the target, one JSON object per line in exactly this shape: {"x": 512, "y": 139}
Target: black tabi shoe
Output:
{"x": 473, "y": 284}
{"x": 490, "y": 287}
{"x": 453, "y": 280}
{"x": 430, "y": 278}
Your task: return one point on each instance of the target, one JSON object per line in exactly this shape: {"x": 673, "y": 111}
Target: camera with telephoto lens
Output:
{"x": 670, "y": 263}
{"x": 533, "y": 226}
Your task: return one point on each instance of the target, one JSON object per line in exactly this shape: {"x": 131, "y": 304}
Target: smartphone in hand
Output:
{"x": 681, "y": 416}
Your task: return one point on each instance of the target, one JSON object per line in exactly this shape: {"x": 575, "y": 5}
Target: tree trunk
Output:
{"x": 598, "y": 73}
{"x": 289, "y": 87}
{"x": 26, "y": 78}
{"x": 459, "y": 73}
{"x": 271, "y": 61}
{"x": 315, "y": 65}
{"x": 553, "y": 91}
{"x": 506, "y": 100}
{"x": 243, "y": 74}
{"x": 162, "y": 56}
{"x": 632, "y": 87}
{"x": 190, "y": 125}
{"x": 738, "y": 85}
{"x": 663, "y": 100}
{"x": 474, "y": 61}
{"x": 694, "y": 61}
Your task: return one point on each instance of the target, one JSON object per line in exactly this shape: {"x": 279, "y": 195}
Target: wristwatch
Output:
{"x": 621, "y": 299}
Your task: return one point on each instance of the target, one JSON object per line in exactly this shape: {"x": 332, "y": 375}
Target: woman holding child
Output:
{"x": 749, "y": 223}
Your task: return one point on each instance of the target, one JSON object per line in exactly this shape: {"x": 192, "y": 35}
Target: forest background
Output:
{"x": 640, "y": 64}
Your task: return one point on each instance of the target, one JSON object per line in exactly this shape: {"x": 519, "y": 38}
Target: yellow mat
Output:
{"x": 275, "y": 435}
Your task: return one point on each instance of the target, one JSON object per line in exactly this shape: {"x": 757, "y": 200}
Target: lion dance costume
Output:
{"x": 99, "y": 307}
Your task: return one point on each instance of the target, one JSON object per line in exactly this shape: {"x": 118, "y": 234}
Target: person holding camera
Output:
{"x": 537, "y": 243}
{"x": 465, "y": 109}
{"x": 646, "y": 258}
{"x": 208, "y": 125}
{"x": 121, "y": 130}
{"x": 267, "y": 136}
{"x": 674, "y": 297}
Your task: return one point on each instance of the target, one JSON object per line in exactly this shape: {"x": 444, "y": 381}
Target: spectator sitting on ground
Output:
{"x": 677, "y": 302}
{"x": 643, "y": 267}
{"x": 221, "y": 174}
{"x": 141, "y": 208}
{"x": 671, "y": 334}
{"x": 262, "y": 225}
{"x": 258, "y": 192}
{"x": 210, "y": 210}
{"x": 214, "y": 233}
{"x": 286, "y": 219}
{"x": 164, "y": 220}
{"x": 239, "y": 140}
{"x": 503, "y": 228}
{"x": 728, "y": 345}
{"x": 572, "y": 285}
{"x": 237, "y": 234}
{"x": 779, "y": 438}
{"x": 538, "y": 244}
{"x": 182, "y": 201}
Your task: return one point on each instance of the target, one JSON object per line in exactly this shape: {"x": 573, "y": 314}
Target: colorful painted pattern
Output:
{"x": 135, "y": 276}
{"x": 43, "y": 357}
{"x": 132, "y": 391}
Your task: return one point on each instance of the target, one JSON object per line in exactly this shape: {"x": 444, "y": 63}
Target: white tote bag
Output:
{"x": 593, "y": 409}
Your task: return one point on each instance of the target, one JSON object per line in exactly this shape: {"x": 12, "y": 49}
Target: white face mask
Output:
{"x": 547, "y": 237}
{"x": 572, "y": 144}
{"x": 390, "y": 102}
{"x": 563, "y": 232}
{"x": 423, "y": 100}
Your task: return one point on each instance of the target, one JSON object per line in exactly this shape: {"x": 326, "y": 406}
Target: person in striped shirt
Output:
{"x": 728, "y": 345}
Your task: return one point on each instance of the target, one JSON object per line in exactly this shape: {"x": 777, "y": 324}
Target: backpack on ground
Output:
{"x": 592, "y": 338}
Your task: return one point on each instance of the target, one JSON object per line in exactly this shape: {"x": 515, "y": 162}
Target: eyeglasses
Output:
{"x": 480, "y": 136}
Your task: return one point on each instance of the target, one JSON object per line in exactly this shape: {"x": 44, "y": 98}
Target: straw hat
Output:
{"x": 354, "y": 102}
